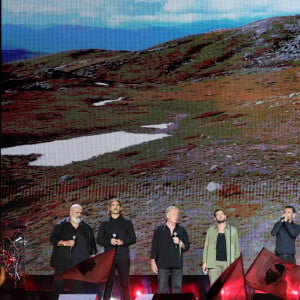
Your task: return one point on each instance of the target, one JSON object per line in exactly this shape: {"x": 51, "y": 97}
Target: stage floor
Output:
{"x": 39, "y": 287}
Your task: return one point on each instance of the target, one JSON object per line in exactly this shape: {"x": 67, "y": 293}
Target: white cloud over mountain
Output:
{"x": 130, "y": 13}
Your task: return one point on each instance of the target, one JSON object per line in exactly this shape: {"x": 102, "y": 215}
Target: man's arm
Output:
{"x": 154, "y": 267}
{"x": 154, "y": 246}
{"x": 154, "y": 252}
{"x": 276, "y": 228}
{"x": 93, "y": 247}
{"x": 56, "y": 237}
{"x": 102, "y": 240}
{"x": 185, "y": 240}
{"x": 204, "y": 259}
{"x": 131, "y": 236}
{"x": 293, "y": 229}
{"x": 237, "y": 245}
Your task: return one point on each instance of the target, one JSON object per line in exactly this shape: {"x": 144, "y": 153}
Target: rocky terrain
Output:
{"x": 233, "y": 99}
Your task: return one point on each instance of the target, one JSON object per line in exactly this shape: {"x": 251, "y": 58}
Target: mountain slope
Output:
{"x": 264, "y": 44}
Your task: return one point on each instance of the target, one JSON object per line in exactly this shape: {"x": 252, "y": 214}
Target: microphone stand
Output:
{"x": 229, "y": 241}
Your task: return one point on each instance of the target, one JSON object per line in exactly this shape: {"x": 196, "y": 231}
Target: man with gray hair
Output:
{"x": 73, "y": 242}
{"x": 169, "y": 242}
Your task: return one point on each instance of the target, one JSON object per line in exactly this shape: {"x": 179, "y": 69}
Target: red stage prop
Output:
{"x": 94, "y": 270}
{"x": 271, "y": 274}
{"x": 231, "y": 284}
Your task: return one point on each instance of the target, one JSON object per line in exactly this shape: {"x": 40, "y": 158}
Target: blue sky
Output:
{"x": 135, "y": 14}
{"x": 51, "y": 26}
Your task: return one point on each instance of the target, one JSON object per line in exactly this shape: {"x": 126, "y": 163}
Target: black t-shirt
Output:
{"x": 221, "y": 247}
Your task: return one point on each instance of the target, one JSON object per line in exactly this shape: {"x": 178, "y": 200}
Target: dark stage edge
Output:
{"x": 39, "y": 287}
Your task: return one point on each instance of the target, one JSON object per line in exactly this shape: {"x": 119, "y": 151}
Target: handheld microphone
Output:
{"x": 115, "y": 236}
{"x": 175, "y": 235}
{"x": 74, "y": 238}
{"x": 282, "y": 218}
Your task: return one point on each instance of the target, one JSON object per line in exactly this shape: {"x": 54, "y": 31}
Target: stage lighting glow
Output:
{"x": 138, "y": 292}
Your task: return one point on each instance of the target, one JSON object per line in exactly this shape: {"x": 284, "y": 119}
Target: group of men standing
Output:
{"x": 73, "y": 241}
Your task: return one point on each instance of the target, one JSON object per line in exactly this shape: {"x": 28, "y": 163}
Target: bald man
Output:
{"x": 73, "y": 242}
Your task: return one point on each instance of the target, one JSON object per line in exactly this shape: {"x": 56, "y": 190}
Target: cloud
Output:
{"x": 214, "y": 7}
{"x": 122, "y": 13}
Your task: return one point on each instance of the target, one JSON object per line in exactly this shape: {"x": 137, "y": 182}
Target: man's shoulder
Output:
{"x": 83, "y": 223}
{"x": 181, "y": 226}
{"x": 161, "y": 226}
{"x": 212, "y": 228}
{"x": 105, "y": 221}
{"x": 230, "y": 227}
{"x": 125, "y": 219}
{"x": 296, "y": 225}
{"x": 63, "y": 221}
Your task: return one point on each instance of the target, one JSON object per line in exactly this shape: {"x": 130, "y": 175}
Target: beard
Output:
{"x": 221, "y": 221}
{"x": 76, "y": 220}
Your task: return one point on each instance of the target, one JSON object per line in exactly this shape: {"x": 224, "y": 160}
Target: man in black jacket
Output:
{"x": 169, "y": 242}
{"x": 73, "y": 242}
{"x": 116, "y": 231}
{"x": 286, "y": 232}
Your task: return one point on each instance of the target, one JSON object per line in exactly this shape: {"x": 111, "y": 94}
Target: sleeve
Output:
{"x": 93, "y": 247}
{"x": 205, "y": 250}
{"x": 102, "y": 239}
{"x": 56, "y": 234}
{"x": 276, "y": 228}
{"x": 293, "y": 229}
{"x": 186, "y": 241}
{"x": 131, "y": 237}
{"x": 237, "y": 245}
{"x": 154, "y": 245}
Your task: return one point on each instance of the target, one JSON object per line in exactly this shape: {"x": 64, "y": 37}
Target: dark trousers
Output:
{"x": 287, "y": 257}
{"x": 122, "y": 266}
{"x": 163, "y": 279}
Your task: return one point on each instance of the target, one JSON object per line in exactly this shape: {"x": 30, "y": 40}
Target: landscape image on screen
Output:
{"x": 201, "y": 115}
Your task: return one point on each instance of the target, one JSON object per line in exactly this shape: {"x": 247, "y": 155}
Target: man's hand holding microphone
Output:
{"x": 115, "y": 241}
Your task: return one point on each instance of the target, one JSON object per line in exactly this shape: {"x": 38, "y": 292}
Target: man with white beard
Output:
{"x": 73, "y": 242}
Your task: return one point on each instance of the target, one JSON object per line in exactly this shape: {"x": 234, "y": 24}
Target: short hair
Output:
{"x": 115, "y": 199}
{"x": 218, "y": 209}
{"x": 75, "y": 206}
{"x": 171, "y": 207}
{"x": 292, "y": 207}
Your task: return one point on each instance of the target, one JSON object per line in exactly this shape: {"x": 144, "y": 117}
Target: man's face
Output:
{"x": 220, "y": 217}
{"x": 173, "y": 215}
{"x": 115, "y": 208}
{"x": 76, "y": 214}
{"x": 288, "y": 212}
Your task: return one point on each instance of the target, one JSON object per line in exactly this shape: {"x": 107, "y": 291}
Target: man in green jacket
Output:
{"x": 221, "y": 247}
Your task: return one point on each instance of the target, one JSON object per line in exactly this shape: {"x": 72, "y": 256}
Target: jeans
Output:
{"x": 163, "y": 279}
{"x": 122, "y": 266}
